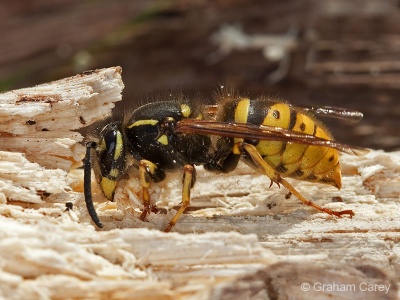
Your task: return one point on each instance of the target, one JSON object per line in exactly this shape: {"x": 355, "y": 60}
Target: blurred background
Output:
{"x": 342, "y": 53}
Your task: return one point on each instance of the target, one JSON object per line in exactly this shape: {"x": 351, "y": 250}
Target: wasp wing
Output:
{"x": 333, "y": 112}
{"x": 255, "y": 132}
{"x": 323, "y": 111}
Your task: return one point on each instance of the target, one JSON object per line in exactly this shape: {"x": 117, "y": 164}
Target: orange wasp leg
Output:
{"x": 188, "y": 182}
{"x": 146, "y": 169}
{"x": 275, "y": 177}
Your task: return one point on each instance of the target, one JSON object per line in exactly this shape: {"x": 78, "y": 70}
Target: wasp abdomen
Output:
{"x": 299, "y": 161}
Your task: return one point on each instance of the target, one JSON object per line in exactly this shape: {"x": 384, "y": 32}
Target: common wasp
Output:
{"x": 277, "y": 139}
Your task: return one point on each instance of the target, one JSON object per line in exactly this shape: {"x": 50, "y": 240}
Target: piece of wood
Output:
{"x": 38, "y": 121}
{"x": 267, "y": 249}
{"x": 37, "y": 124}
{"x": 239, "y": 239}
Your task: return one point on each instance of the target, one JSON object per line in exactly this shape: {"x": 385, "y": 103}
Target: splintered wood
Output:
{"x": 36, "y": 124}
{"x": 38, "y": 121}
{"x": 239, "y": 239}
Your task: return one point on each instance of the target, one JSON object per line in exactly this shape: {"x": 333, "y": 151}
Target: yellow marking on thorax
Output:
{"x": 235, "y": 149}
{"x": 114, "y": 173}
{"x": 143, "y": 122}
{"x": 119, "y": 146}
{"x": 163, "y": 139}
{"x": 185, "y": 110}
{"x": 108, "y": 187}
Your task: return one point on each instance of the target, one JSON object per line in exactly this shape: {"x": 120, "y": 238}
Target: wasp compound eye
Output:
{"x": 111, "y": 157}
{"x": 107, "y": 150}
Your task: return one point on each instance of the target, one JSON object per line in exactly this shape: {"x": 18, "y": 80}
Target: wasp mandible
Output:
{"x": 278, "y": 139}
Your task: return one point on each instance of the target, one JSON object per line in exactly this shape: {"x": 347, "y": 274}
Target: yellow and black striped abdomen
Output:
{"x": 299, "y": 161}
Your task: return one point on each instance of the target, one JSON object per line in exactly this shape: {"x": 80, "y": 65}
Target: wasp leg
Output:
{"x": 148, "y": 172}
{"x": 189, "y": 178}
{"x": 275, "y": 176}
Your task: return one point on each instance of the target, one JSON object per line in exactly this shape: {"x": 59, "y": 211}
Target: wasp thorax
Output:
{"x": 168, "y": 124}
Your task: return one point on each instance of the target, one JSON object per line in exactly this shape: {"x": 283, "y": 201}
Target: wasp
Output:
{"x": 277, "y": 139}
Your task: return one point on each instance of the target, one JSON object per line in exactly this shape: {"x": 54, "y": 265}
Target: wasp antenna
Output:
{"x": 87, "y": 180}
